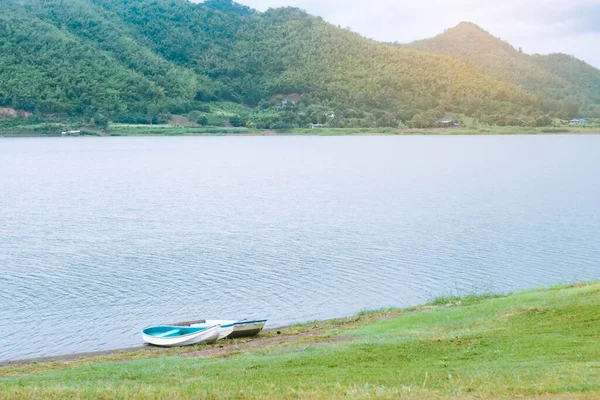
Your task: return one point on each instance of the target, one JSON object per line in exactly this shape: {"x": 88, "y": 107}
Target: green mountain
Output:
{"x": 142, "y": 60}
{"x": 584, "y": 80}
{"x": 556, "y": 76}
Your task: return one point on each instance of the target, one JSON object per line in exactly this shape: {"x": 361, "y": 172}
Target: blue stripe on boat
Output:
{"x": 163, "y": 331}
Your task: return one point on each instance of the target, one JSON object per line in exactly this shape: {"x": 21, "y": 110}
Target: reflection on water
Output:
{"x": 100, "y": 237}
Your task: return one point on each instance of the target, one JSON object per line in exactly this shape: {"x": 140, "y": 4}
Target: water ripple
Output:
{"x": 102, "y": 238}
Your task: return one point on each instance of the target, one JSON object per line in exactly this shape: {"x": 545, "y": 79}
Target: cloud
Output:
{"x": 538, "y": 26}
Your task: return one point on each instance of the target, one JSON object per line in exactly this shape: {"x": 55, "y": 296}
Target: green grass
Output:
{"x": 491, "y": 130}
{"x": 535, "y": 343}
{"x": 499, "y": 130}
{"x": 222, "y": 111}
{"x": 171, "y": 130}
{"x": 483, "y": 130}
{"x": 340, "y": 131}
{"x": 466, "y": 300}
{"x": 38, "y": 127}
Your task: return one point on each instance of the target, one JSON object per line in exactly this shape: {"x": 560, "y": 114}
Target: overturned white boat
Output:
{"x": 171, "y": 336}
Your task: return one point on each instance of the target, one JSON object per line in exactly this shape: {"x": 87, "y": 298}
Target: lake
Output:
{"x": 100, "y": 237}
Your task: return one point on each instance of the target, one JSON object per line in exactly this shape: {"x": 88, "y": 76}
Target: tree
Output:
{"x": 422, "y": 120}
{"x": 100, "y": 121}
{"x": 543, "y": 121}
{"x": 236, "y": 121}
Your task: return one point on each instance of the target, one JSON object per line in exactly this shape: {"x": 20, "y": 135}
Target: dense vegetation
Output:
{"x": 571, "y": 83}
{"x": 541, "y": 343}
{"x": 142, "y": 61}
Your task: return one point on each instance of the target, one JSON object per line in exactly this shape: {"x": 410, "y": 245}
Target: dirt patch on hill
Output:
{"x": 8, "y": 112}
{"x": 295, "y": 97}
{"x": 180, "y": 120}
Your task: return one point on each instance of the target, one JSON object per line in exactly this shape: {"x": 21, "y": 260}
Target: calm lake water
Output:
{"x": 100, "y": 237}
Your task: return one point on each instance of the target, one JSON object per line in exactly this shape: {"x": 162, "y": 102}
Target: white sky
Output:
{"x": 538, "y": 26}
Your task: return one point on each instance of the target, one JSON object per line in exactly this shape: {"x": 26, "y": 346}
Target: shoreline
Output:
{"x": 123, "y": 350}
{"x": 223, "y": 348}
{"x": 150, "y": 351}
{"x": 119, "y": 130}
{"x": 519, "y": 344}
{"x": 325, "y": 134}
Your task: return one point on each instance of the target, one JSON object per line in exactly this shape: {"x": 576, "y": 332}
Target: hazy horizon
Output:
{"x": 536, "y": 26}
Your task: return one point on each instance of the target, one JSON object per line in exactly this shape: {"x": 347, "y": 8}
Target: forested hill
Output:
{"x": 556, "y": 76}
{"x": 141, "y": 60}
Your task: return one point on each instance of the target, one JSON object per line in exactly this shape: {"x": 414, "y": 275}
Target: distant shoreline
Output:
{"x": 168, "y": 130}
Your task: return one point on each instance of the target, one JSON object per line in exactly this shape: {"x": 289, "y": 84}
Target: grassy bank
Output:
{"x": 341, "y": 131}
{"x": 170, "y": 130}
{"x": 174, "y": 130}
{"x": 500, "y": 130}
{"x": 535, "y": 343}
{"x": 54, "y": 126}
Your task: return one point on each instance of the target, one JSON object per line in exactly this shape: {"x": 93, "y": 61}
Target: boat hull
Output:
{"x": 208, "y": 335}
{"x": 232, "y": 329}
{"x": 246, "y": 329}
